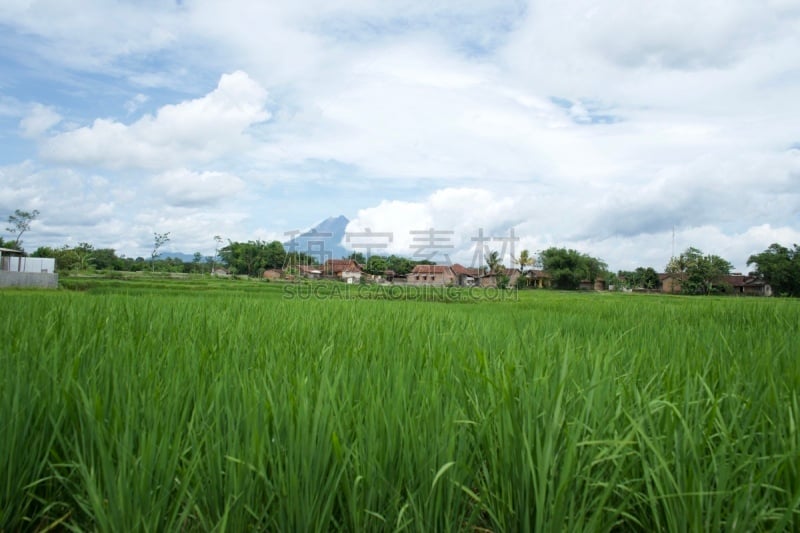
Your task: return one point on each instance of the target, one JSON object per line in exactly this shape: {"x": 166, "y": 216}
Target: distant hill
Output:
{"x": 323, "y": 241}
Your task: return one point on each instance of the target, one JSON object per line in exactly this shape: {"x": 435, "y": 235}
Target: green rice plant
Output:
{"x": 205, "y": 405}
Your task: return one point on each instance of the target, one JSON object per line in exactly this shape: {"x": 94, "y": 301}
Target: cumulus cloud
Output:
{"x": 184, "y": 187}
{"x": 40, "y": 119}
{"x": 439, "y": 227}
{"x": 195, "y": 130}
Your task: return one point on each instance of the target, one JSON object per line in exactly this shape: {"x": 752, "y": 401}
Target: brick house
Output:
{"x": 272, "y": 274}
{"x": 344, "y": 269}
{"x": 734, "y": 283}
{"x": 490, "y": 280}
{"x": 438, "y": 275}
{"x": 466, "y": 277}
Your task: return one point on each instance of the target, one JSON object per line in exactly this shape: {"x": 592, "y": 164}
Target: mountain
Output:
{"x": 323, "y": 241}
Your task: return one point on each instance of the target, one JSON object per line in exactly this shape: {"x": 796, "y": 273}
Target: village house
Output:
{"x": 437, "y": 275}
{"x": 670, "y": 282}
{"x": 538, "y": 279}
{"x": 466, "y": 277}
{"x": 753, "y": 286}
{"x": 309, "y": 272}
{"x": 735, "y": 283}
{"x": 599, "y": 284}
{"x": 490, "y": 280}
{"x": 272, "y": 274}
{"x": 346, "y": 270}
{"x": 740, "y": 284}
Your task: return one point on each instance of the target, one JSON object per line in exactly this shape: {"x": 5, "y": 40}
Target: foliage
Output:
{"x": 159, "y": 240}
{"x": 12, "y": 245}
{"x": 83, "y": 255}
{"x": 402, "y": 265}
{"x": 525, "y": 260}
{"x": 779, "y": 266}
{"x": 376, "y": 265}
{"x": 175, "y": 406}
{"x": 494, "y": 262}
{"x": 699, "y": 273}
{"x": 567, "y": 268}
{"x": 19, "y": 223}
{"x": 253, "y": 257}
{"x": 641, "y": 278}
{"x": 502, "y": 280}
{"x": 358, "y": 257}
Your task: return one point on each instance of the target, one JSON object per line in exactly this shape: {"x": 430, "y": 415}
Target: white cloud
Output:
{"x": 442, "y": 225}
{"x": 195, "y": 130}
{"x": 40, "y": 119}
{"x": 80, "y": 34}
{"x": 591, "y": 124}
{"x": 132, "y": 105}
{"x": 184, "y": 187}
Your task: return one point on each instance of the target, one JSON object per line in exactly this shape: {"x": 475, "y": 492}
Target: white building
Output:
{"x": 16, "y": 270}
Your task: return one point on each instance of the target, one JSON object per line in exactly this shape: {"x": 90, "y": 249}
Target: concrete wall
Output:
{"x": 28, "y": 279}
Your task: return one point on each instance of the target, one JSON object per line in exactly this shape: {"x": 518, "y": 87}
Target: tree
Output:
{"x": 780, "y": 267}
{"x": 274, "y": 255}
{"x": 648, "y": 277}
{"x": 106, "y": 259}
{"x": 253, "y": 257}
{"x": 376, "y": 265}
{"x": 595, "y": 267}
{"x": 641, "y": 278}
{"x": 494, "y": 262}
{"x": 358, "y": 257}
{"x": 400, "y": 265}
{"x": 159, "y": 240}
{"x": 19, "y": 223}
{"x": 524, "y": 260}
{"x": 42, "y": 251}
{"x": 196, "y": 258}
{"x": 567, "y": 268}
{"x": 497, "y": 269}
{"x": 217, "y": 244}
{"x": 698, "y": 273}
{"x": 83, "y": 254}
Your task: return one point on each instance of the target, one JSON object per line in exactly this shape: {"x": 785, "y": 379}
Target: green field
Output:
{"x": 241, "y": 406}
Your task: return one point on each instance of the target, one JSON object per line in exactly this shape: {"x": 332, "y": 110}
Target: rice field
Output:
{"x": 239, "y": 406}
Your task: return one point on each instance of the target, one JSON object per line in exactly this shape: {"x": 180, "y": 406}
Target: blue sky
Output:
{"x": 597, "y": 125}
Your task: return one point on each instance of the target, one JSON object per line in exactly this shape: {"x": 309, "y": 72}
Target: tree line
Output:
{"x": 698, "y": 273}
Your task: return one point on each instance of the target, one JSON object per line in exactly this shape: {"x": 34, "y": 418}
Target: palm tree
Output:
{"x": 493, "y": 262}
{"x": 524, "y": 260}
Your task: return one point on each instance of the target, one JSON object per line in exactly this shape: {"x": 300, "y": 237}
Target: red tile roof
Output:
{"x": 461, "y": 270}
{"x": 336, "y": 266}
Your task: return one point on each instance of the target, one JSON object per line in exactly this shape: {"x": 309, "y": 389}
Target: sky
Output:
{"x": 625, "y": 129}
